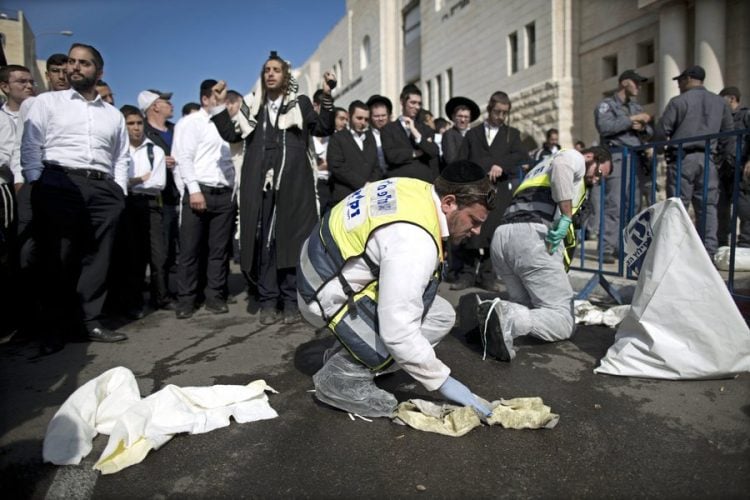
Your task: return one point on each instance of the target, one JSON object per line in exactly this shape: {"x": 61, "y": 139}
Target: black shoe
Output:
{"x": 268, "y": 316}
{"x": 291, "y": 317}
{"x": 216, "y": 307}
{"x": 231, "y": 300}
{"x": 183, "y": 312}
{"x": 105, "y": 335}
{"x": 609, "y": 258}
{"x": 166, "y": 304}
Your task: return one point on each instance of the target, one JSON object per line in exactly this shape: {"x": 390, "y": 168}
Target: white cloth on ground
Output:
{"x": 683, "y": 323}
{"x": 111, "y": 404}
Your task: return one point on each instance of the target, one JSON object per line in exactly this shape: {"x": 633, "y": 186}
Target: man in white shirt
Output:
{"x": 204, "y": 164}
{"x": 74, "y": 151}
{"x": 369, "y": 272}
{"x": 532, "y": 247}
{"x": 140, "y": 235}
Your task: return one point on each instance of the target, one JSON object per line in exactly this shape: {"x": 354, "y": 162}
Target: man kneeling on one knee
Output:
{"x": 370, "y": 272}
{"x": 532, "y": 248}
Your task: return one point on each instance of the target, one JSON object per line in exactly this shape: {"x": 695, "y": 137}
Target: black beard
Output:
{"x": 86, "y": 84}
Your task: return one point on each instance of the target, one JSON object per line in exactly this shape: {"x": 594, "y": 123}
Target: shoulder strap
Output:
{"x": 150, "y": 153}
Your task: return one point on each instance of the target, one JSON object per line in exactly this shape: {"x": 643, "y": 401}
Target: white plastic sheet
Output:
{"x": 741, "y": 259}
{"x": 111, "y": 404}
{"x": 683, "y": 323}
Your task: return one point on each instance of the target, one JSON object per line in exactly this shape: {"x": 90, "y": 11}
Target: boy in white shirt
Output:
{"x": 140, "y": 233}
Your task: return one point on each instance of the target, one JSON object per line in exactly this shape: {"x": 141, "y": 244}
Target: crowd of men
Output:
{"x": 335, "y": 211}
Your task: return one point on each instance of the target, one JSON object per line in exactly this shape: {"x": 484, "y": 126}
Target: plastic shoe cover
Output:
{"x": 496, "y": 339}
{"x": 345, "y": 384}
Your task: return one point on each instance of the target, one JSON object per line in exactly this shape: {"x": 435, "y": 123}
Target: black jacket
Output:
{"x": 399, "y": 149}
{"x": 351, "y": 167}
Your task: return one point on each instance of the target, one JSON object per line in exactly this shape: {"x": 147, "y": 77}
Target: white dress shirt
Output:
{"x": 65, "y": 129}
{"x": 490, "y": 132}
{"x": 7, "y": 131}
{"x": 140, "y": 165}
{"x": 203, "y": 157}
{"x": 359, "y": 138}
{"x": 15, "y": 159}
{"x": 407, "y": 260}
{"x": 273, "y": 109}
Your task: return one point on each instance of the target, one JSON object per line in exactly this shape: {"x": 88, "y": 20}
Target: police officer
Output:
{"x": 741, "y": 116}
{"x": 369, "y": 272}
{"x": 621, "y": 121}
{"x": 696, "y": 112}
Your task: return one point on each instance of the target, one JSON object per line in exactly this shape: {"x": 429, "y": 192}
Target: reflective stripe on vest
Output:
{"x": 532, "y": 202}
{"x": 342, "y": 235}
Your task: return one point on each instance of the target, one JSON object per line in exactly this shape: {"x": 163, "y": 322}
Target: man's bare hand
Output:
{"x": 198, "y": 202}
{"x": 17, "y": 186}
{"x": 496, "y": 171}
{"x": 328, "y": 76}
{"x": 170, "y": 161}
{"x": 220, "y": 92}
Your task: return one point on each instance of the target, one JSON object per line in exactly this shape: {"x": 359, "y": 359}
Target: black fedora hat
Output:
{"x": 454, "y": 102}
{"x": 379, "y": 99}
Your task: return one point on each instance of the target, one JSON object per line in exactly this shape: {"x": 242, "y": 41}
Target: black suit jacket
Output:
{"x": 507, "y": 152}
{"x": 399, "y": 150}
{"x": 351, "y": 167}
{"x": 452, "y": 140}
{"x": 170, "y": 194}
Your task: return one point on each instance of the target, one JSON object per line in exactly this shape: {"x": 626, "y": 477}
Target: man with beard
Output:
{"x": 408, "y": 143}
{"x": 75, "y": 153}
{"x": 369, "y": 272}
{"x": 278, "y": 191}
{"x": 529, "y": 251}
{"x": 496, "y": 147}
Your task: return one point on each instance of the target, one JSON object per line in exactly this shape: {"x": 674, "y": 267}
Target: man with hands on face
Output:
{"x": 408, "y": 144}
{"x": 278, "y": 190}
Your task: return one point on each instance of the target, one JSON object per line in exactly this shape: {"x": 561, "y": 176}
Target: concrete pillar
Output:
{"x": 710, "y": 37}
{"x": 672, "y": 50}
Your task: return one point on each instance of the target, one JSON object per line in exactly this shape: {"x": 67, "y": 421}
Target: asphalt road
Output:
{"x": 617, "y": 437}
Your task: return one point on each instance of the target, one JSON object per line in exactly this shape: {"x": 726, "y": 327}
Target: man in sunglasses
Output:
{"x": 369, "y": 273}
{"x": 531, "y": 251}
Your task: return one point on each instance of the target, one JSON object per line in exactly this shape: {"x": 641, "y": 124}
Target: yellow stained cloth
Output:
{"x": 455, "y": 421}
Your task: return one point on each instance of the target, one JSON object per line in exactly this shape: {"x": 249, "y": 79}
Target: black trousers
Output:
{"x": 75, "y": 219}
{"x": 275, "y": 284}
{"x": 9, "y": 317}
{"x": 140, "y": 242}
{"x": 210, "y": 230}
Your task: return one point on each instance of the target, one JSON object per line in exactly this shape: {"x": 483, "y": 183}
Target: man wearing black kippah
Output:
{"x": 369, "y": 273}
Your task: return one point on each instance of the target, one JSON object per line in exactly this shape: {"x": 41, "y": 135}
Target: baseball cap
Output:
{"x": 696, "y": 72}
{"x": 630, "y": 74}
{"x": 147, "y": 98}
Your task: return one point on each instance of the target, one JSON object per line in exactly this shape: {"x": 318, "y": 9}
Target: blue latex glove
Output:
{"x": 557, "y": 233}
{"x": 457, "y": 392}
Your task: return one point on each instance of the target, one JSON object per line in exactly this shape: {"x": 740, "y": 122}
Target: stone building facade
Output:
{"x": 19, "y": 45}
{"x": 555, "y": 58}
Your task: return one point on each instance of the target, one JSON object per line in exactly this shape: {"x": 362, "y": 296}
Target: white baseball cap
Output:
{"x": 147, "y": 98}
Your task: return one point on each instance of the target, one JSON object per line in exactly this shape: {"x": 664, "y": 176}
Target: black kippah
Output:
{"x": 463, "y": 172}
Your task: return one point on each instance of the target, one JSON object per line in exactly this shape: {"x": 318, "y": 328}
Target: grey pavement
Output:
{"x": 617, "y": 437}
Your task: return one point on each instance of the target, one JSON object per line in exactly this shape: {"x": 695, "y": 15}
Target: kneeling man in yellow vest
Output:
{"x": 369, "y": 272}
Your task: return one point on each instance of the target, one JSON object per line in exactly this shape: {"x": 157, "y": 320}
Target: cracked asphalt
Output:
{"x": 617, "y": 437}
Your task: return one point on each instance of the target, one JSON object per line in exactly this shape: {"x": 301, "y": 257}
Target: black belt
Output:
{"x": 89, "y": 173}
{"x": 143, "y": 195}
{"x": 214, "y": 190}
